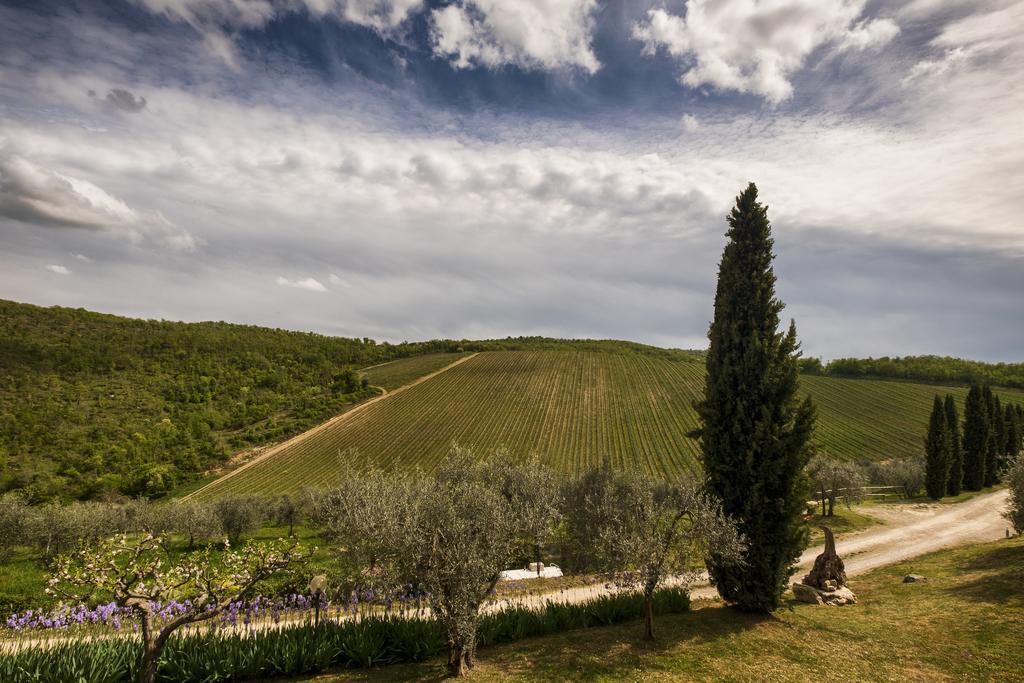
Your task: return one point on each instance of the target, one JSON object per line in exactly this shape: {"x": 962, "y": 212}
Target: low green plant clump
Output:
{"x": 370, "y": 641}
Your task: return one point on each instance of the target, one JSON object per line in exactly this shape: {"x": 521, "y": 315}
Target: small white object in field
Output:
{"x": 548, "y": 572}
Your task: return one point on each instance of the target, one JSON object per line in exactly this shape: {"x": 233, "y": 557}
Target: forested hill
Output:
{"x": 93, "y": 403}
{"x": 937, "y": 369}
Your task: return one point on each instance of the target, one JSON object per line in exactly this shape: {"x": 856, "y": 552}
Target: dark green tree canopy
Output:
{"x": 976, "y": 438}
{"x": 755, "y": 431}
{"x": 936, "y": 451}
{"x": 955, "y": 481}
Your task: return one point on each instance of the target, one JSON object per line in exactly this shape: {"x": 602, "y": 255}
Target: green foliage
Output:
{"x": 754, "y": 429}
{"x": 936, "y": 450}
{"x": 292, "y": 650}
{"x": 942, "y": 370}
{"x": 1014, "y": 435}
{"x": 976, "y": 438}
{"x": 955, "y": 482}
{"x": 1015, "y": 480}
{"x": 92, "y": 403}
{"x": 996, "y": 439}
{"x": 641, "y": 530}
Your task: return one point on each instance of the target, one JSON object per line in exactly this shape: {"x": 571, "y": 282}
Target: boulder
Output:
{"x": 815, "y": 596}
{"x": 808, "y": 594}
{"x": 913, "y": 578}
{"x": 841, "y": 596}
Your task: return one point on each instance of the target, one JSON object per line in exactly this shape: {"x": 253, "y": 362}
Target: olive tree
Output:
{"x": 644, "y": 530}
{"x": 451, "y": 534}
{"x": 905, "y": 473}
{"x": 287, "y": 511}
{"x": 138, "y": 575}
{"x": 833, "y": 479}
{"x": 531, "y": 488}
{"x": 14, "y": 514}
{"x": 196, "y": 521}
{"x": 240, "y": 514}
{"x": 360, "y": 516}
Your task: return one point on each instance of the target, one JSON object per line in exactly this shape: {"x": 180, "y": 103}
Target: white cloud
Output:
{"x": 59, "y": 270}
{"x": 531, "y": 34}
{"x": 950, "y": 61}
{"x": 690, "y": 123}
{"x": 969, "y": 38}
{"x": 337, "y": 281}
{"x": 869, "y": 34}
{"x": 33, "y": 194}
{"x": 82, "y": 257}
{"x": 751, "y": 46}
{"x": 309, "y": 283}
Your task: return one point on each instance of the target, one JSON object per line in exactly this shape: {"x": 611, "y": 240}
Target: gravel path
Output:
{"x": 907, "y": 531}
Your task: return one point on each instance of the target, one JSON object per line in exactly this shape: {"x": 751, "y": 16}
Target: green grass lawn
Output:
{"x": 965, "y": 623}
{"x": 843, "y": 521}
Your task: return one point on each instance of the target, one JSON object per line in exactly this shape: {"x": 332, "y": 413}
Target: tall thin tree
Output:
{"x": 993, "y": 448}
{"x": 1013, "y": 434}
{"x": 936, "y": 452}
{"x": 755, "y": 430}
{"x": 956, "y": 454}
{"x": 975, "y": 439}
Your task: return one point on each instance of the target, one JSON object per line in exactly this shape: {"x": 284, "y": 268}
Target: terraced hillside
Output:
{"x": 572, "y": 408}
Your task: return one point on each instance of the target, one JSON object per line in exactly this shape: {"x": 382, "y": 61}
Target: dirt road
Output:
{"x": 907, "y": 531}
{"x": 299, "y": 438}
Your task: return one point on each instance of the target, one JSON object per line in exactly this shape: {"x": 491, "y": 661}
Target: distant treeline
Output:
{"x": 936, "y": 369}
{"x": 94, "y": 404}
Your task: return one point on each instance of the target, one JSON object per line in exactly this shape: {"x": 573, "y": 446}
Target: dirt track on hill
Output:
{"x": 299, "y": 438}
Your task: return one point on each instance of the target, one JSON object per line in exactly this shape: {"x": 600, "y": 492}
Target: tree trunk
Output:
{"x": 648, "y": 616}
{"x": 824, "y": 498}
{"x": 457, "y": 662}
{"x": 150, "y": 657}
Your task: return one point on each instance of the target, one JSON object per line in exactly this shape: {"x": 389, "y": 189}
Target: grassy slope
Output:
{"x": 400, "y": 372}
{"x": 965, "y": 623}
{"x": 575, "y": 407}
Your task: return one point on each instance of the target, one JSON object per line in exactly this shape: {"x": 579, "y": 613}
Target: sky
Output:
{"x": 411, "y": 169}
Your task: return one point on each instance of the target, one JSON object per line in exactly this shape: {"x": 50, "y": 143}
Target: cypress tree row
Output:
{"x": 956, "y": 455}
{"x": 993, "y": 451}
{"x": 976, "y": 439}
{"x": 936, "y": 452}
{"x": 755, "y": 431}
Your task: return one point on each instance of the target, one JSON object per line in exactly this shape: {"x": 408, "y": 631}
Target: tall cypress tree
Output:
{"x": 755, "y": 431}
{"x": 936, "y": 452}
{"x": 999, "y": 435}
{"x": 993, "y": 449}
{"x": 1013, "y": 433}
{"x": 975, "y": 439}
{"x": 956, "y": 455}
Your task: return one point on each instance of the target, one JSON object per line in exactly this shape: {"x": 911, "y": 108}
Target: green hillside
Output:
{"x": 93, "y": 403}
{"x": 573, "y": 408}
